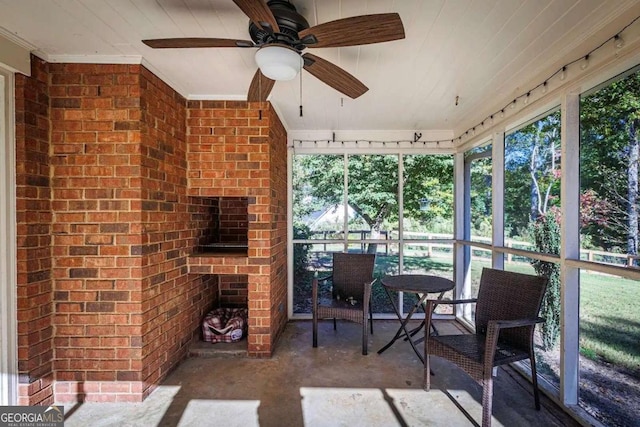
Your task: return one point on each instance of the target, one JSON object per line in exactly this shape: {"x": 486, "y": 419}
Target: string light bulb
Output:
{"x": 526, "y": 98}
{"x": 563, "y": 73}
{"x": 513, "y": 104}
{"x": 618, "y": 41}
{"x": 585, "y": 63}
{"x": 545, "y": 87}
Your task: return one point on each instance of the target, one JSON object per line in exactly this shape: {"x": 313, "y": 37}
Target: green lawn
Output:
{"x": 610, "y": 320}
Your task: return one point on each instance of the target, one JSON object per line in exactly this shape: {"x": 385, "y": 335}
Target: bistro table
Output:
{"x": 420, "y": 284}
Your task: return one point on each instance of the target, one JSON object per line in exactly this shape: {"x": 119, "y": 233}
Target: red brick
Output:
{"x": 129, "y": 150}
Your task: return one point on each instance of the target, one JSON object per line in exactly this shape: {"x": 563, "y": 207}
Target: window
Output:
{"x": 478, "y": 224}
{"x": 532, "y": 223}
{"x": 531, "y": 180}
{"x": 609, "y": 206}
{"x": 319, "y": 216}
{"x": 478, "y": 204}
{"x": 609, "y": 153}
{"x": 399, "y": 207}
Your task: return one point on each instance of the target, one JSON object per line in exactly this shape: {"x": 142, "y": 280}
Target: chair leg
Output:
{"x": 487, "y": 401}
{"x": 371, "y": 317}
{"x": 315, "y": 329}
{"x": 427, "y": 373}
{"x": 534, "y": 379}
{"x": 334, "y": 324}
{"x": 365, "y": 338}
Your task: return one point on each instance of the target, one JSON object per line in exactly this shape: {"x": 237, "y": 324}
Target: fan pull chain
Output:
{"x": 300, "y": 93}
{"x": 260, "y": 92}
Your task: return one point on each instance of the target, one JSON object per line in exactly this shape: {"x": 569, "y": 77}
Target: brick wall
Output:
{"x": 234, "y": 222}
{"x": 95, "y": 119}
{"x": 174, "y": 303}
{"x": 278, "y": 187}
{"x": 204, "y": 224}
{"x": 33, "y": 201}
{"x": 107, "y": 306}
{"x": 232, "y": 290}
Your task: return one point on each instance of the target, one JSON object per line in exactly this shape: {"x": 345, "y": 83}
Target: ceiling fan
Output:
{"x": 281, "y": 35}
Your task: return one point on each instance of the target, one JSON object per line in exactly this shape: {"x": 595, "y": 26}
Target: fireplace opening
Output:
{"x": 221, "y": 225}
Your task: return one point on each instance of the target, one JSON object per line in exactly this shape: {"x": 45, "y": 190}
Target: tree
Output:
{"x": 532, "y": 172}
{"x": 373, "y": 186}
{"x": 609, "y": 154}
{"x": 481, "y": 192}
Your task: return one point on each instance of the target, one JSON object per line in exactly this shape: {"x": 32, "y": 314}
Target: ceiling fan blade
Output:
{"x": 259, "y": 13}
{"x": 260, "y": 87}
{"x": 357, "y": 30}
{"x": 196, "y": 42}
{"x": 334, "y": 76}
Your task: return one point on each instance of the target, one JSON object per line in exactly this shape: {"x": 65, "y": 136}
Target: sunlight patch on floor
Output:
{"x": 222, "y": 413}
{"x": 345, "y": 407}
{"x": 382, "y": 407}
{"x": 143, "y": 414}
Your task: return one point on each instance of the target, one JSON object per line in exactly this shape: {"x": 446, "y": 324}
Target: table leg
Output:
{"x": 433, "y": 327}
{"x": 403, "y": 325}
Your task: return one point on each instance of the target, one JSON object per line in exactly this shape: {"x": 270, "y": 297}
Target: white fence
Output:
{"x": 420, "y": 244}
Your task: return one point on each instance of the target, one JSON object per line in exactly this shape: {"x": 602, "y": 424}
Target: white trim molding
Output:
{"x": 14, "y": 53}
{"x": 8, "y": 278}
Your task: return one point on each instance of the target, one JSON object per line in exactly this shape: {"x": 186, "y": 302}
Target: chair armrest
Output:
{"x": 503, "y": 324}
{"x": 367, "y": 297}
{"x": 368, "y": 287}
{"x": 493, "y": 333}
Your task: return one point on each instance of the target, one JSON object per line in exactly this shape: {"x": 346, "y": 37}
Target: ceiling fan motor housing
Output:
{"x": 289, "y": 21}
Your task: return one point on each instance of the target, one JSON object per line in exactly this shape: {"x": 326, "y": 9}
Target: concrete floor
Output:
{"x": 332, "y": 385}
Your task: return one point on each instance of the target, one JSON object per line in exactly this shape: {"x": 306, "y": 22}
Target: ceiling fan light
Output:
{"x": 278, "y": 62}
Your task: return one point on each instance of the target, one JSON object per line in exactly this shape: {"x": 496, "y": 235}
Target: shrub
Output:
{"x": 301, "y": 250}
{"x": 546, "y": 234}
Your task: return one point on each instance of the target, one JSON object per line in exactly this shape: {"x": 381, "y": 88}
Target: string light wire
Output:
{"x": 618, "y": 43}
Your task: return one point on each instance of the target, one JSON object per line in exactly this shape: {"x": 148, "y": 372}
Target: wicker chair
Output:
{"x": 350, "y": 295}
{"x": 507, "y": 310}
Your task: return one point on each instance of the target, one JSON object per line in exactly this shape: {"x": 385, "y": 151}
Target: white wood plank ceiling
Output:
{"x": 484, "y": 51}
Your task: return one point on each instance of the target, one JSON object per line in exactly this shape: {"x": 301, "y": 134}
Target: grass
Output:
{"x": 609, "y": 319}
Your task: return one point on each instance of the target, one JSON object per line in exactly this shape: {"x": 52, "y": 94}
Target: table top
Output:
{"x": 419, "y": 283}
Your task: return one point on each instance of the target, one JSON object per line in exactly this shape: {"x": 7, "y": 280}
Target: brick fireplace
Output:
{"x": 114, "y": 171}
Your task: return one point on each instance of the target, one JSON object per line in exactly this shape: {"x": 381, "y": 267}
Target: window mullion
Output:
{"x": 345, "y": 202}
{"x": 400, "y": 196}
{"x": 497, "y": 195}
{"x": 570, "y": 249}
